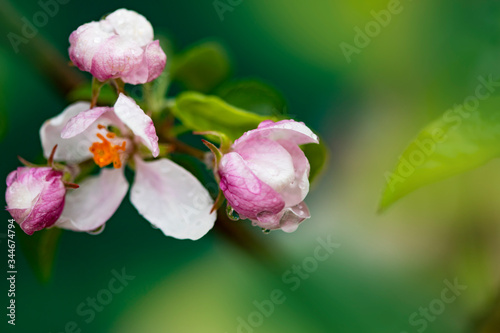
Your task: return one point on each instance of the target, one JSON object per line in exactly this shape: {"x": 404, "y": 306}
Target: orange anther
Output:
{"x": 106, "y": 153}
{"x": 99, "y": 126}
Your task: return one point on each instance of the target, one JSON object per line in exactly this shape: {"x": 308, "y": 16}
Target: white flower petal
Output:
{"x": 141, "y": 124}
{"x": 74, "y": 150}
{"x": 94, "y": 202}
{"x": 132, "y": 25}
{"x": 82, "y": 121}
{"x": 172, "y": 199}
{"x": 269, "y": 161}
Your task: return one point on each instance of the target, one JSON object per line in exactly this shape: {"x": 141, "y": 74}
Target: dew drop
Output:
{"x": 266, "y": 231}
{"x": 232, "y": 214}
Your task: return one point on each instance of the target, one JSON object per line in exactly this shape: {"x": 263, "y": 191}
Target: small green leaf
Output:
{"x": 459, "y": 141}
{"x": 202, "y": 67}
{"x": 209, "y": 113}
{"x": 317, "y": 154}
{"x": 107, "y": 95}
{"x": 254, "y": 95}
{"x": 40, "y": 250}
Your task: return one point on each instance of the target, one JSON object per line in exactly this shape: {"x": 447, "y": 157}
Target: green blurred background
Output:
{"x": 387, "y": 267}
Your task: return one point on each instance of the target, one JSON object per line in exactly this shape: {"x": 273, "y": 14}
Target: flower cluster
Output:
{"x": 263, "y": 175}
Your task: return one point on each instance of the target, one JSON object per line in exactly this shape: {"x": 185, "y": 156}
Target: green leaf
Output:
{"x": 457, "y": 142}
{"x": 317, "y": 154}
{"x": 254, "y": 95}
{"x": 40, "y": 250}
{"x": 202, "y": 67}
{"x": 107, "y": 95}
{"x": 210, "y": 113}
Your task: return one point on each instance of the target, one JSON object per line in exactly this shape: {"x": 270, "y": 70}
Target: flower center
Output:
{"x": 105, "y": 152}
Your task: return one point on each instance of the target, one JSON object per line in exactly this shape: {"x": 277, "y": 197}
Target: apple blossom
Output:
{"x": 35, "y": 197}
{"x": 119, "y": 46}
{"x": 167, "y": 195}
{"x": 265, "y": 176}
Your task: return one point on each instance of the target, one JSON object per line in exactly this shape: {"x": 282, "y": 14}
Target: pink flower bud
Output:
{"x": 265, "y": 177}
{"x": 119, "y": 46}
{"x": 35, "y": 197}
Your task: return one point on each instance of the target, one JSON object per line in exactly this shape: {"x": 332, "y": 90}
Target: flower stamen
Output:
{"x": 105, "y": 152}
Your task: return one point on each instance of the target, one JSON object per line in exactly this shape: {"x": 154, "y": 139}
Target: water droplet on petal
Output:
{"x": 290, "y": 221}
{"x": 232, "y": 214}
{"x": 266, "y": 231}
{"x": 253, "y": 187}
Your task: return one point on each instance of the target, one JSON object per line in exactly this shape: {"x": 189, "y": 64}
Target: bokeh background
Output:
{"x": 388, "y": 266}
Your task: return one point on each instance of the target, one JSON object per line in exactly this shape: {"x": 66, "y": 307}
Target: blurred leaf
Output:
{"x": 317, "y": 154}
{"x": 3, "y": 119}
{"x": 202, "y": 67}
{"x": 455, "y": 143}
{"x": 40, "y": 250}
{"x": 5, "y": 88}
{"x": 255, "y": 96}
{"x": 209, "y": 113}
{"x": 107, "y": 96}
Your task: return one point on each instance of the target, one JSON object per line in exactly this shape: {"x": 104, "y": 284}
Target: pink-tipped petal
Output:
{"x": 155, "y": 59}
{"x": 139, "y": 123}
{"x": 244, "y": 191}
{"x": 172, "y": 199}
{"x": 85, "y": 42}
{"x": 74, "y": 150}
{"x": 35, "y": 197}
{"x": 291, "y": 130}
{"x": 152, "y": 65}
{"x": 118, "y": 56}
{"x": 94, "y": 202}
{"x": 82, "y": 121}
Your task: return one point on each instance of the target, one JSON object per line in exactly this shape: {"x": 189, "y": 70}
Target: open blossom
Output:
{"x": 167, "y": 195}
{"x": 265, "y": 176}
{"x": 119, "y": 46}
{"x": 35, "y": 197}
